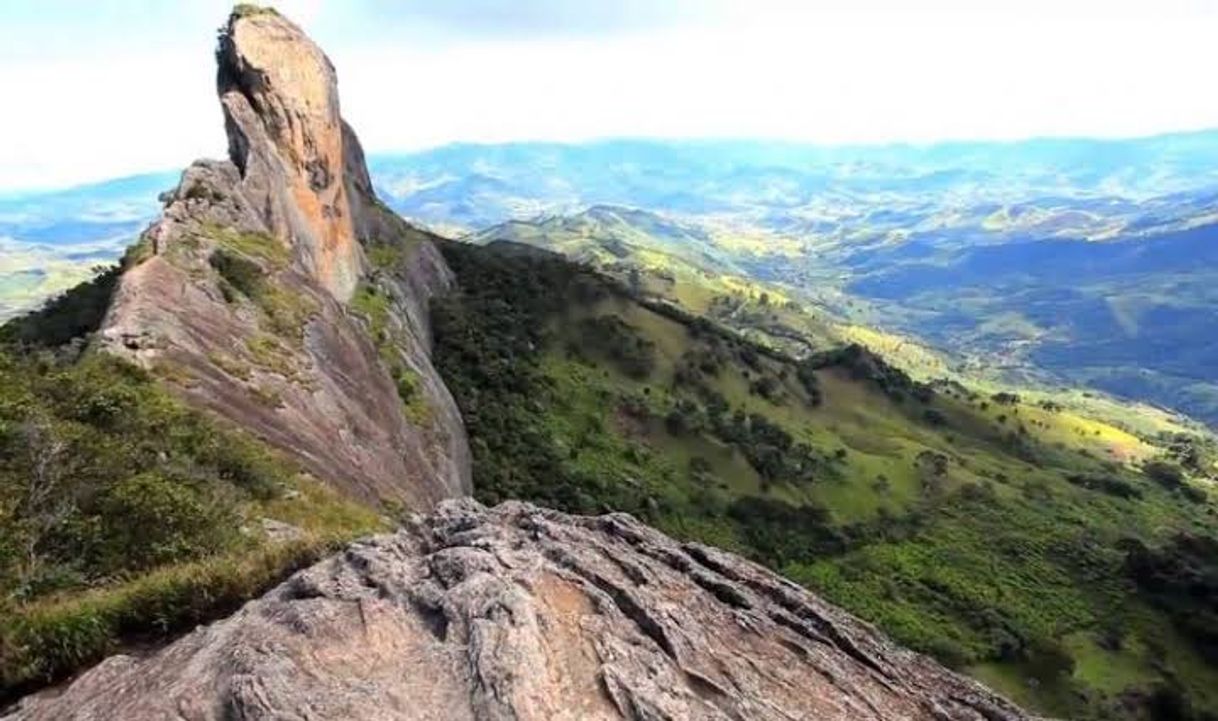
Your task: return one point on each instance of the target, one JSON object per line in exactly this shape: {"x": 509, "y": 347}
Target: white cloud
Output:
{"x": 862, "y": 71}
{"x": 825, "y": 79}
{"x": 81, "y": 120}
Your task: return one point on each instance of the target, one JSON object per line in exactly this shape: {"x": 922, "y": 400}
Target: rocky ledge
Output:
{"x": 521, "y": 613}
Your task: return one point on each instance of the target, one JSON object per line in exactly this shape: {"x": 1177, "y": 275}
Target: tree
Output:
{"x": 932, "y": 467}
{"x": 42, "y": 504}
{"x": 1165, "y": 473}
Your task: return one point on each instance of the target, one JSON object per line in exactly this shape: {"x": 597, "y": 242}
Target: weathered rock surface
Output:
{"x": 520, "y": 613}
{"x": 352, "y": 395}
{"x": 280, "y": 98}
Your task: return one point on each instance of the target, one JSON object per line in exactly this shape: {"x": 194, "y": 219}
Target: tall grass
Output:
{"x": 50, "y": 638}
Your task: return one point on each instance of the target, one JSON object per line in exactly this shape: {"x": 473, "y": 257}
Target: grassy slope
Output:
{"x": 997, "y": 563}
{"x": 698, "y": 270}
{"x": 124, "y": 515}
{"x": 149, "y": 516}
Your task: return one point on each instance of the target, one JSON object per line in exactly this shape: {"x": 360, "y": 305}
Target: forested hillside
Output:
{"x": 1038, "y": 550}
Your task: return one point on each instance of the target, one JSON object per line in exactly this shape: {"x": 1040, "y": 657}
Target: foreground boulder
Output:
{"x": 521, "y": 613}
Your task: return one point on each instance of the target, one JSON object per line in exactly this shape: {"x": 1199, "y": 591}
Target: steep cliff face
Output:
{"x": 277, "y": 291}
{"x": 280, "y": 98}
{"x": 521, "y": 613}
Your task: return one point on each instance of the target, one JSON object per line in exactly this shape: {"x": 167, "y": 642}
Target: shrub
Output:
{"x": 286, "y": 310}
{"x": 244, "y": 10}
{"x": 242, "y": 274}
{"x": 864, "y": 365}
{"x": 805, "y": 371}
{"x": 934, "y": 417}
{"x": 949, "y": 653}
{"x": 86, "y": 446}
{"x": 1181, "y": 578}
{"x": 780, "y": 533}
{"x": 375, "y": 305}
{"x": 148, "y": 520}
{"x": 1165, "y": 473}
{"x": 1048, "y": 660}
{"x": 73, "y": 314}
{"x": 1111, "y": 485}
{"x": 613, "y": 338}
{"x": 765, "y": 387}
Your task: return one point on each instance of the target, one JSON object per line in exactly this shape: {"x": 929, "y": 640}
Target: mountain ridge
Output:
{"x": 240, "y": 291}
{"x": 283, "y": 364}
{"x": 277, "y": 297}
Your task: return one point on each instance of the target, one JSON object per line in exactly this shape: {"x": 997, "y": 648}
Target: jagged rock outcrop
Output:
{"x": 278, "y": 292}
{"x": 280, "y": 98}
{"x": 521, "y": 613}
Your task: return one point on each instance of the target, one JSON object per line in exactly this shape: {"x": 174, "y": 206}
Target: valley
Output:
{"x": 1051, "y": 263}
{"x": 623, "y": 429}
{"x": 985, "y": 530}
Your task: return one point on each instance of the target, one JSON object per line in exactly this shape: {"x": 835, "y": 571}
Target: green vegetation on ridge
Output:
{"x": 700, "y": 270}
{"x": 992, "y": 532}
{"x": 123, "y": 513}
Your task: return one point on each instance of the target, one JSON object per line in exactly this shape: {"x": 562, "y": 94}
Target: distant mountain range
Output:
{"x": 50, "y": 241}
{"x": 786, "y": 186}
{"x": 280, "y": 365}
{"x": 1086, "y": 260}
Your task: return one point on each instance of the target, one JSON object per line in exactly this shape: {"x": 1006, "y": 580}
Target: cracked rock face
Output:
{"x": 280, "y": 98}
{"x": 521, "y": 613}
{"x": 286, "y": 358}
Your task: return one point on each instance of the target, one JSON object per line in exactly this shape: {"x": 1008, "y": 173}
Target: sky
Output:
{"x": 103, "y": 88}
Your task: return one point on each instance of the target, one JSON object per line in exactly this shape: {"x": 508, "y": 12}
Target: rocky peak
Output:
{"x": 279, "y": 92}
{"x": 521, "y": 613}
{"x": 241, "y": 296}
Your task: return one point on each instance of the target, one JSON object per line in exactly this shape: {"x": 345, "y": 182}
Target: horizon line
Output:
{"x": 19, "y": 192}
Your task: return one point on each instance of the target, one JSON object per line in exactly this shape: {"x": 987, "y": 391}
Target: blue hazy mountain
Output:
{"x": 1090, "y": 259}
{"x": 782, "y": 183}
{"x": 84, "y": 214}
{"x": 50, "y": 241}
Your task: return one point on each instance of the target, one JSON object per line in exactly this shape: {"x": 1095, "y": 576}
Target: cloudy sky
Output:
{"x": 100, "y": 88}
